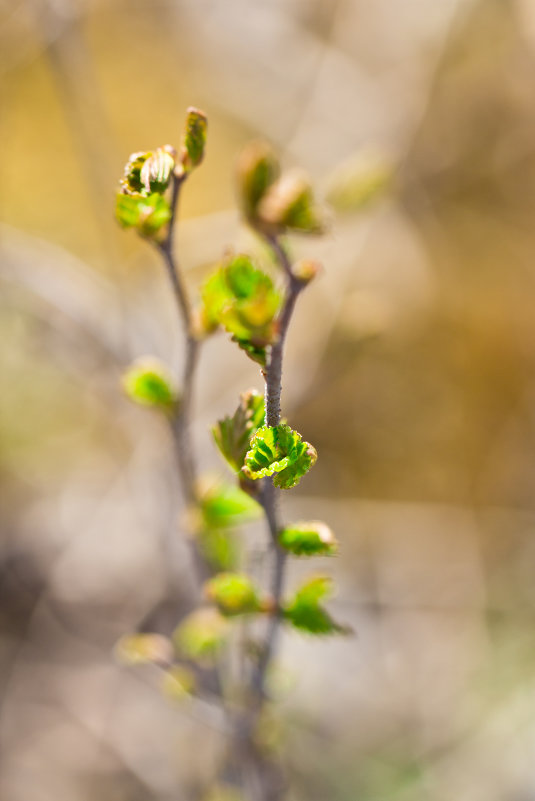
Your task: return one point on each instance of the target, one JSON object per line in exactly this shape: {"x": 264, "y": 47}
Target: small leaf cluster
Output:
{"x": 142, "y": 201}
{"x": 247, "y": 303}
{"x": 275, "y": 202}
{"x": 244, "y": 301}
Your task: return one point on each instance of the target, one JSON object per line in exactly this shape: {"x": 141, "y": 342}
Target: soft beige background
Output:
{"x": 410, "y": 367}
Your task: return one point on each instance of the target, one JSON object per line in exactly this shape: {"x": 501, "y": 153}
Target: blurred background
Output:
{"x": 410, "y": 367}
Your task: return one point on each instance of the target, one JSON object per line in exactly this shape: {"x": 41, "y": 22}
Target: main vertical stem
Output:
{"x": 270, "y": 782}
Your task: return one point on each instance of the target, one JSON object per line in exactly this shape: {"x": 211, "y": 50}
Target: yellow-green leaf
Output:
{"x": 233, "y": 593}
{"x": 279, "y": 452}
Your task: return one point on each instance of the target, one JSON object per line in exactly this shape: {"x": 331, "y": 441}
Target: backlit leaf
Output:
{"x": 279, "y": 452}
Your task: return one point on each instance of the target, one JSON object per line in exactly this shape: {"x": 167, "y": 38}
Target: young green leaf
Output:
{"x": 305, "y": 612}
{"x": 233, "y": 593}
{"x": 149, "y": 383}
{"x": 289, "y": 203}
{"x": 194, "y": 138}
{"x": 202, "y": 634}
{"x": 147, "y": 214}
{"x": 233, "y": 434}
{"x": 244, "y": 301}
{"x": 157, "y": 170}
{"x": 138, "y": 649}
{"x": 258, "y": 168}
{"x": 218, "y": 510}
{"x": 224, "y": 505}
{"x": 308, "y": 539}
{"x": 279, "y": 452}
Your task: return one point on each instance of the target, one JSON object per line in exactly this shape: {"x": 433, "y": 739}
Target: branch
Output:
{"x": 181, "y": 421}
{"x": 268, "y": 499}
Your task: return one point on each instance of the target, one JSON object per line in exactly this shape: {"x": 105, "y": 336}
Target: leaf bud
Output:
{"x": 194, "y": 141}
{"x": 257, "y": 169}
{"x": 289, "y": 203}
{"x": 156, "y": 171}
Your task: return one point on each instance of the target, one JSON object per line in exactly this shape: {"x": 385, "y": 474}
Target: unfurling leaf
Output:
{"x": 194, "y": 138}
{"x": 131, "y": 181}
{"x": 244, "y": 301}
{"x": 149, "y": 383}
{"x": 148, "y": 214}
{"x": 308, "y": 539}
{"x": 233, "y": 434}
{"x": 178, "y": 682}
{"x": 289, "y": 203}
{"x": 157, "y": 170}
{"x": 305, "y": 612}
{"x": 233, "y": 594}
{"x": 202, "y": 634}
{"x": 138, "y": 649}
{"x": 279, "y": 452}
{"x": 257, "y": 169}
